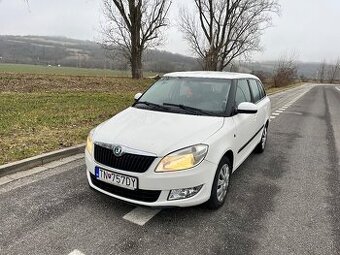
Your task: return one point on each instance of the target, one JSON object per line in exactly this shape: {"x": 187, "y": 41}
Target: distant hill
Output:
{"x": 46, "y": 50}
{"x": 308, "y": 70}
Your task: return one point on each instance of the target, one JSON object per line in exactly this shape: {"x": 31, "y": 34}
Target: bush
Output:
{"x": 285, "y": 73}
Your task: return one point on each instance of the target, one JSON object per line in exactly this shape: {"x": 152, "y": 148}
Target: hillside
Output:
{"x": 45, "y": 50}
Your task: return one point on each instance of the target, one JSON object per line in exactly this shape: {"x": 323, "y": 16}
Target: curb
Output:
{"x": 40, "y": 160}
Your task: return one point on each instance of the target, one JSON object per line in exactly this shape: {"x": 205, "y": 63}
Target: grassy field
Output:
{"x": 43, "y": 112}
{"x": 54, "y": 70}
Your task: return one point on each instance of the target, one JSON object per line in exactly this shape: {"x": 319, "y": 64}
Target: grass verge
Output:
{"x": 41, "y": 113}
{"x": 274, "y": 90}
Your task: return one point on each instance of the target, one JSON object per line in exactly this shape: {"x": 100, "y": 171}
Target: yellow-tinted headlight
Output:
{"x": 183, "y": 159}
{"x": 89, "y": 144}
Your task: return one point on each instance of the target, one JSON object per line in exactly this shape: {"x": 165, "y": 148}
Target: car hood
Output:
{"x": 156, "y": 132}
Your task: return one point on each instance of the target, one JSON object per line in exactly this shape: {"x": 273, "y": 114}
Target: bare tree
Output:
{"x": 285, "y": 72}
{"x": 133, "y": 26}
{"x": 226, "y": 29}
{"x": 334, "y": 72}
{"x": 322, "y": 71}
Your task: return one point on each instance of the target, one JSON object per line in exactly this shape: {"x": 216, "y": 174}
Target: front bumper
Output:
{"x": 152, "y": 183}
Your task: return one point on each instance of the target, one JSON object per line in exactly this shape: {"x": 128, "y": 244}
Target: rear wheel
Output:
{"x": 220, "y": 185}
{"x": 262, "y": 145}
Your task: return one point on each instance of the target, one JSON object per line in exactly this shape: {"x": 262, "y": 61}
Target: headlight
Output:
{"x": 89, "y": 143}
{"x": 183, "y": 159}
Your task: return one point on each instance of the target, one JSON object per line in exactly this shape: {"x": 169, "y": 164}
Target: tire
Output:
{"x": 262, "y": 144}
{"x": 221, "y": 184}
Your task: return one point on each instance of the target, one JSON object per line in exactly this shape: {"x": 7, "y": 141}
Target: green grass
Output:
{"x": 67, "y": 71}
{"x": 43, "y": 112}
{"x": 33, "y": 123}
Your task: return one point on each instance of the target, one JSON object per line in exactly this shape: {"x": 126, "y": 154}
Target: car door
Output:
{"x": 245, "y": 124}
{"x": 265, "y": 101}
{"x": 258, "y": 99}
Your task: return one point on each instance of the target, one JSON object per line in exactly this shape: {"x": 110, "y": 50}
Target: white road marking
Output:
{"x": 282, "y": 109}
{"x": 4, "y": 180}
{"x": 141, "y": 215}
{"x": 39, "y": 169}
{"x": 26, "y": 173}
{"x": 76, "y": 252}
{"x": 17, "y": 183}
{"x": 338, "y": 88}
{"x": 296, "y": 113}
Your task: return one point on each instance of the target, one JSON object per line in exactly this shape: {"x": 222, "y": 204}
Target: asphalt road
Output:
{"x": 285, "y": 201}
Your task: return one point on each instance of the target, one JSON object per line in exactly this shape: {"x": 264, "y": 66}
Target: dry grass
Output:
{"x": 274, "y": 90}
{"x": 20, "y": 82}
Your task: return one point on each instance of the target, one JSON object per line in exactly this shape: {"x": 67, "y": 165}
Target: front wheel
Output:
{"x": 221, "y": 184}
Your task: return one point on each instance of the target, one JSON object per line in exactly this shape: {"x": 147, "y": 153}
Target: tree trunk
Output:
{"x": 136, "y": 64}
{"x": 136, "y": 47}
{"x": 211, "y": 60}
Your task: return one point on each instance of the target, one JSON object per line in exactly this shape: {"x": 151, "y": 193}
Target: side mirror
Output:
{"x": 247, "y": 108}
{"x": 137, "y": 96}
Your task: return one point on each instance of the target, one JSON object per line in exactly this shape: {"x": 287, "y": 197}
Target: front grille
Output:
{"x": 138, "y": 194}
{"x": 128, "y": 162}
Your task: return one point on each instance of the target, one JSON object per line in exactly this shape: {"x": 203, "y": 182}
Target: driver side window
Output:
{"x": 242, "y": 92}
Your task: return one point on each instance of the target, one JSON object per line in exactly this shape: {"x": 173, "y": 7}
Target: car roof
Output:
{"x": 211, "y": 74}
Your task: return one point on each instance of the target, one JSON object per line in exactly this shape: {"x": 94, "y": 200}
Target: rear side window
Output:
{"x": 242, "y": 92}
{"x": 259, "y": 84}
{"x": 257, "y": 95}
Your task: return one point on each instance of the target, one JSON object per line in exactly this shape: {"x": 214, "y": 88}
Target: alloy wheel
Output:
{"x": 223, "y": 182}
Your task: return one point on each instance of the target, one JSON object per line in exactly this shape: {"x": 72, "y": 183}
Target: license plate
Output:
{"x": 113, "y": 178}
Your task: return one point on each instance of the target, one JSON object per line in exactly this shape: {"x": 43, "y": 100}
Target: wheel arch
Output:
{"x": 230, "y": 155}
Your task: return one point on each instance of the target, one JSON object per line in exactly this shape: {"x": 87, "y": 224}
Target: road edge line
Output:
{"x": 39, "y": 160}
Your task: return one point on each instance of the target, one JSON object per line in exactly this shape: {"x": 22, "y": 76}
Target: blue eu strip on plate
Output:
{"x": 96, "y": 171}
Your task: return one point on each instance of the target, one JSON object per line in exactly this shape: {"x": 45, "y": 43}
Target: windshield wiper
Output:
{"x": 190, "y": 109}
{"x": 152, "y": 105}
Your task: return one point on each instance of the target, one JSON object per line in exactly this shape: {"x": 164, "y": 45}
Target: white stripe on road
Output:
{"x": 282, "y": 109}
{"x": 296, "y": 113}
{"x": 338, "y": 88}
{"x": 39, "y": 169}
{"x": 141, "y": 215}
{"x": 76, "y": 252}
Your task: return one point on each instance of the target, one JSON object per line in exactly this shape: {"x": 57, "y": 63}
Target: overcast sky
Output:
{"x": 308, "y": 28}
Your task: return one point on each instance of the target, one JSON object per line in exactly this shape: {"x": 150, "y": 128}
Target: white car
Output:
{"x": 178, "y": 144}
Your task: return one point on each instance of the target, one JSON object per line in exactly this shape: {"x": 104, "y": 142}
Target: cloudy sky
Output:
{"x": 307, "y": 28}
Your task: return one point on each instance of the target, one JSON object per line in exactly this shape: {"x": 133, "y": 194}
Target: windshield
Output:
{"x": 187, "y": 95}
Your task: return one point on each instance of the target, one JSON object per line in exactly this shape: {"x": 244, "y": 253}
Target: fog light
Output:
{"x": 176, "y": 194}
